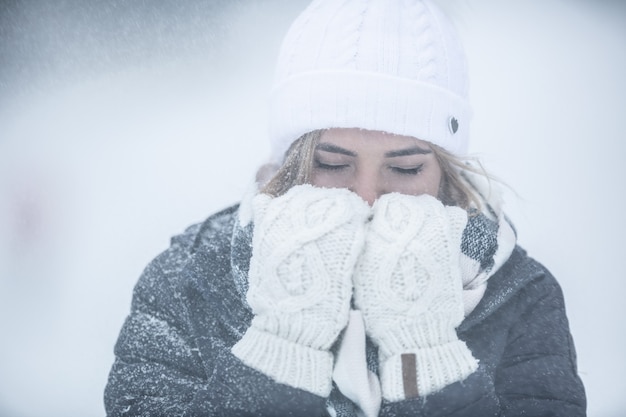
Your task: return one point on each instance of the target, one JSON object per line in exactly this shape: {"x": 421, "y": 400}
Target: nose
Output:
{"x": 367, "y": 187}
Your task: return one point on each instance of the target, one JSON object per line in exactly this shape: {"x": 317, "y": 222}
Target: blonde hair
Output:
{"x": 454, "y": 189}
{"x": 297, "y": 166}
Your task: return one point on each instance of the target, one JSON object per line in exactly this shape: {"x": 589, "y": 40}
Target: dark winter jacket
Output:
{"x": 173, "y": 353}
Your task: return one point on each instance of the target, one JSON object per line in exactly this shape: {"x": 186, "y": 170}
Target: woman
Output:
{"x": 373, "y": 273}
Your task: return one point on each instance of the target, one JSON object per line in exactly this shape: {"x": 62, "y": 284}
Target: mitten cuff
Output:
{"x": 286, "y": 362}
{"x": 424, "y": 331}
{"x": 420, "y": 372}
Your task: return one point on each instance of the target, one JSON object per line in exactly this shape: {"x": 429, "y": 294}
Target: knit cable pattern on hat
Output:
{"x": 388, "y": 65}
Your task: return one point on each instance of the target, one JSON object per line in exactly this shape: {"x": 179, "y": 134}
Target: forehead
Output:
{"x": 355, "y": 139}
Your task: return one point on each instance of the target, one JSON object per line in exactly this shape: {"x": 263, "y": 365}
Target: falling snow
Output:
{"x": 121, "y": 125}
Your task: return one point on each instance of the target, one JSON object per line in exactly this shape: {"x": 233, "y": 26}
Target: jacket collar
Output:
{"x": 516, "y": 273}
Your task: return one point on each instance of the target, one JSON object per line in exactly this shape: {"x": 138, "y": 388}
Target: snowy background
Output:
{"x": 123, "y": 122}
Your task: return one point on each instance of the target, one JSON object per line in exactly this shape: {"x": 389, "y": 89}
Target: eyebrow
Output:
{"x": 414, "y": 150}
{"x": 329, "y": 147}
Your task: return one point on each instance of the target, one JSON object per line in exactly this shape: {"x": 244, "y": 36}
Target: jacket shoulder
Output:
{"x": 216, "y": 226}
{"x": 160, "y": 280}
{"x": 519, "y": 274}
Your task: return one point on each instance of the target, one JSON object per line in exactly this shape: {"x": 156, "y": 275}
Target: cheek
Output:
{"x": 425, "y": 183}
{"x": 430, "y": 183}
{"x": 330, "y": 179}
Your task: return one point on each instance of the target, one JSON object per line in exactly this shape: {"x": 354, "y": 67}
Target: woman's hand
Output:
{"x": 305, "y": 247}
{"x": 408, "y": 287}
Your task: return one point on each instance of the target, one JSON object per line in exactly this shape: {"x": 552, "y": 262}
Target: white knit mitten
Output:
{"x": 408, "y": 286}
{"x": 304, "y": 250}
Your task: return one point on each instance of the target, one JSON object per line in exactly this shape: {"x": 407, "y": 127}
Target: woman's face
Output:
{"x": 372, "y": 163}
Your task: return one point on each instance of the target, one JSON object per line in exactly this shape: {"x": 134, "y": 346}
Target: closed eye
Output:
{"x": 329, "y": 167}
{"x": 407, "y": 171}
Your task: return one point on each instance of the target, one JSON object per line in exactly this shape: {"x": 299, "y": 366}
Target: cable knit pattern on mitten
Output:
{"x": 408, "y": 286}
{"x": 305, "y": 246}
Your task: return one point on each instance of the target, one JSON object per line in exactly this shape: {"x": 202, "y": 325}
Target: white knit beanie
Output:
{"x": 389, "y": 65}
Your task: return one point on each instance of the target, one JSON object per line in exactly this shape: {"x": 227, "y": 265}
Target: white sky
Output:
{"x": 110, "y": 143}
